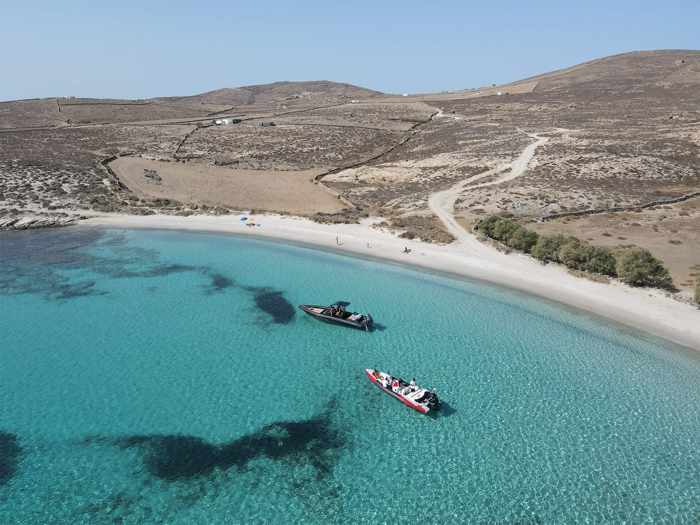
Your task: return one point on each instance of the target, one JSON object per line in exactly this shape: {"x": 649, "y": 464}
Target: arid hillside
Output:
{"x": 617, "y": 138}
{"x": 617, "y": 142}
{"x": 278, "y": 95}
{"x": 608, "y": 149}
{"x": 639, "y": 71}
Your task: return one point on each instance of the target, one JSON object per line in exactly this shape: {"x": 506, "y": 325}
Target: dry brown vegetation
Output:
{"x": 60, "y": 170}
{"x": 56, "y": 155}
{"x": 90, "y": 112}
{"x": 370, "y": 114}
{"x": 30, "y": 113}
{"x": 275, "y": 96}
{"x": 284, "y": 147}
{"x": 621, "y": 132}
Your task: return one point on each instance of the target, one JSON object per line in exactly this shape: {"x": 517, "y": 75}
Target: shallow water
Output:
{"x": 152, "y": 377}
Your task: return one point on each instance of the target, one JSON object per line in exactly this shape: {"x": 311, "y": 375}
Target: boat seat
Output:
{"x": 417, "y": 394}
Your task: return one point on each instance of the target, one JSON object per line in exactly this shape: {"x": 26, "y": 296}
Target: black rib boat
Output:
{"x": 336, "y": 313}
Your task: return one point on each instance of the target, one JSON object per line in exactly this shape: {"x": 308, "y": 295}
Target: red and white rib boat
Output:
{"x": 411, "y": 395}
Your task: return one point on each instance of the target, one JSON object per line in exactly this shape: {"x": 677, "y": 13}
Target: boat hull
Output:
{"x": 313, "y": 311}
{"x": 409, "y": 403}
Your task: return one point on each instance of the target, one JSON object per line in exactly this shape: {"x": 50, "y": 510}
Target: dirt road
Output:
{"x": 442, "y": 203}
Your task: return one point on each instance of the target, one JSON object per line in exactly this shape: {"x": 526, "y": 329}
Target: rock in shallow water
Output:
{"x": 26, "y": 222}
{"x": 180, "y": 457}
{"x": 10, "y": 452}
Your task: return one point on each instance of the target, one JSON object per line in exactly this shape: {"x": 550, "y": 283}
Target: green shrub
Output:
{"x": 581, "y": 256}
{"x": 572, "y": 254}
{"x": 634, "y": 266}
{"x": 546, "y": 249}
{"x": 522, "y": 239}
{"x": 697, "y": 290}
{"x": 487, "y": 225}
{"x": 503, "y": 229}
{"x": 600, "y": 260}
{"x": 638, "y": 267}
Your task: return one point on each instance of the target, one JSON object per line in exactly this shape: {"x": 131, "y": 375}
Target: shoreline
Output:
{"x": 647, "y": 310}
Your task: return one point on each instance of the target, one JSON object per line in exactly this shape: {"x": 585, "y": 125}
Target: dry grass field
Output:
{"x": 202, "y": 184}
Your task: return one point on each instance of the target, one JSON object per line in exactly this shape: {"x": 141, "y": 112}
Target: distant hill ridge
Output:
{"x": 276, "y": 91}
{"x": 660, "y": 68}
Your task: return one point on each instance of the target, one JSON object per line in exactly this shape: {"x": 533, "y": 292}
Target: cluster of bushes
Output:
{"x": 634, "y": 266}
{"x": 638, "y": 267}
{"x": 508, "y": 232}
{"x": 697, "y": 290}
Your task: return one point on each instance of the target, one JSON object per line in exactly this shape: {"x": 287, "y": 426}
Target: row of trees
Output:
{"x": 634, "y": 266}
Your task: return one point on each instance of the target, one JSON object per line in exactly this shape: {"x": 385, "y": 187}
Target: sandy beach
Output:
{"x": 651, "y": 311}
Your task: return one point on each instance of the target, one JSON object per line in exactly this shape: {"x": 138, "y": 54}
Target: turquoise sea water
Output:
{"x": 167, "y": 377}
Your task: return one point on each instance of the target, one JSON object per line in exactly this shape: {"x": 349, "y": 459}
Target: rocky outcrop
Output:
{"x": 26, "y": 222}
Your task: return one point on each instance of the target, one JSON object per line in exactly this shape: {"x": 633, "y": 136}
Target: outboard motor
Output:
{"x": 433, "y": 401}
{"x": 367, "y": 322}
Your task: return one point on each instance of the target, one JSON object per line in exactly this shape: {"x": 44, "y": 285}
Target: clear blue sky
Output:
{"x": 143, "y": 49}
